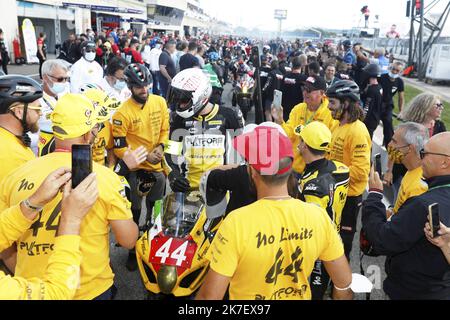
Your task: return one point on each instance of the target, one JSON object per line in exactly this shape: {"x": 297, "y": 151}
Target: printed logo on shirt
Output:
{"x": 117, "y": 122}
{"x": 205, "y": 141}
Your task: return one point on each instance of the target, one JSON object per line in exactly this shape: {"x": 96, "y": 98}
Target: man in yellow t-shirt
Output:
{"x": 20, "y": 110}
{"x": 75, "y": 121}
{"x": 267, "y": 250}
{"x": 314, "y": 108}
{"x": 350, "y": 144}
{"x": 63, "y": 271}
{"x": 409, "y": 138}
{"x": 143, "y": 120}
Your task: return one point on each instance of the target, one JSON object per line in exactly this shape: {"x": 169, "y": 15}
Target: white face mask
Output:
{"x": 393, "y": 76}
{"x": 89, "y": 56}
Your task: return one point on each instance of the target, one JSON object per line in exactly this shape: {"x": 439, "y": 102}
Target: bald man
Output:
{"x": 415, "y": 268}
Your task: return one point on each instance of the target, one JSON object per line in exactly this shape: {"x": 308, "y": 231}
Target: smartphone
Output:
{"x": 433, "y": 216}
{"x": 81, "y": 163}
{"x": 277, "y": 98}
{"x": 378, "y": 164}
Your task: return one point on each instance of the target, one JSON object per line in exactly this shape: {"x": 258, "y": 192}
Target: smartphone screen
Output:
{"x": 277, "y": 98}
{"x": 433, "y": 211}
{"x": 81, "y": 163}
{"x": 378, "y": 164}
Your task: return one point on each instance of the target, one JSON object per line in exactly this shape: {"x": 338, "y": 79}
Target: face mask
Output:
{"x": 120, "y": 85}
{"x": 59, "y": 88}
{"x": 158, "y": 46}
{"x": 89, "y": 56}
{"x": 395, "y": 155}
{"x": 393, "y": 76}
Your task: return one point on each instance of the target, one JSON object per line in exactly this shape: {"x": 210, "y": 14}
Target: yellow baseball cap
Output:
{"x": 101, "y": 99}
{"x": 75, "y": 115}
{"x": 316, "y": 135}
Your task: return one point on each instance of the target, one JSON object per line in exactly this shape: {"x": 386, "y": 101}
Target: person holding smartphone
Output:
{"x": 416, "y": 269}
{"x": 441, "y": 241}
{"x": 75, "y": 121}
{"x": 62, "y": 272}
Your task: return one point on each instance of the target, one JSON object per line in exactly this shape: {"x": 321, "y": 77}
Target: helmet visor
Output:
{"x": 181, "y": 99}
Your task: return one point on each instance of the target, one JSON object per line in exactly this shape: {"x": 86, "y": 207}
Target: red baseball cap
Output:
{"x": 263, "y": 148}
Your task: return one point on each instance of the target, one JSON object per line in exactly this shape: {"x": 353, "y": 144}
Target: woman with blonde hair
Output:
{"x": 425, "y": 109}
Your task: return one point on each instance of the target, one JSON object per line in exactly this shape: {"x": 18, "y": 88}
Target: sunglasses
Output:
{"x": 423, "y": 154}
{"x": 439, "y": 106}
{"x": 61, "y": 79}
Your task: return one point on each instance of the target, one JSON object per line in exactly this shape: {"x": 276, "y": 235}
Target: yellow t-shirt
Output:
{"x": 351, "y": 145}
{"x": 412, "y": 186}
{"x": 13, "y": 153}
{"x": 103, "y": 142}
{"x": 136, "y": 126}
{"x": 35, "y": 246}
{"x": 269, "y": 248}
{"x": 301, "y": 116}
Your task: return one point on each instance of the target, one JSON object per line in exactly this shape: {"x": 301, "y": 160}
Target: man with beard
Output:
{"x": 143, "y": 120}
{"x": 76, "y": 120}
{"x": 20, "y": 111}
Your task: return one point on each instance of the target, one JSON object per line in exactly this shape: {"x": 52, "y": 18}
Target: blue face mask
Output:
{"x": 59, "y": 88}
{"x": 120, "y": 85}
{"x": 393, "y": 76}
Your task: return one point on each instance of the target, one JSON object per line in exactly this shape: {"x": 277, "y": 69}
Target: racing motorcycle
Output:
{"x": 171, "y": 255}
{"x": 243, "y": 94}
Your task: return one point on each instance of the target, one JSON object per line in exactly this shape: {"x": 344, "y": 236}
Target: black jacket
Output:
{"x": 415, "y": 268}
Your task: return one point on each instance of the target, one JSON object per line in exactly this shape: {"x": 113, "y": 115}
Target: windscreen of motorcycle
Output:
{"x": 180, "y": 213}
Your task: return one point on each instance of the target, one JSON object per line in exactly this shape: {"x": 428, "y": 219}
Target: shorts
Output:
{"x": 156, "y": 193}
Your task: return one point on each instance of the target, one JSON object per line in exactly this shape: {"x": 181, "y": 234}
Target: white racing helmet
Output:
{"x": 189, "y": 92}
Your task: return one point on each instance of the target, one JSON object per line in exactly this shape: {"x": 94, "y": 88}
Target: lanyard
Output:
{"x": 439, "y": 187}
{"x": 312, "y": 117}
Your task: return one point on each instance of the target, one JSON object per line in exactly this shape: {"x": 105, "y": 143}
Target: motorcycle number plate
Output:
{"x": 172, "y": 251}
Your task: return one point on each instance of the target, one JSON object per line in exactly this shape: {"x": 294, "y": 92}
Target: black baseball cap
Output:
{"x": 316, "y": 83}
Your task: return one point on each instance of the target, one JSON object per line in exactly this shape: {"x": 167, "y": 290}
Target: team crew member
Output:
{"x": 85, "y": 70}
{"x": 273, "y": 258}
{"x": 324, "y": 183}
{"x": 404, "y": 148}
{"x": 62, "y": 272}
{"x": 315, "y": 108}
{"x": 415, "y": 268}
{"x": 391, "y": 84}
{"x": 113, "y": 83}
{"x": 292, "y": 88}
{"x": 20, "y": 110}
{"x": 350, "y": 145}
{"x": 75, "y": 121}
{"x": 199, "y": 130}
{"x": 55, "y": 83}
{"x": 371, "y": 98}
{"x": 143, "y": 120}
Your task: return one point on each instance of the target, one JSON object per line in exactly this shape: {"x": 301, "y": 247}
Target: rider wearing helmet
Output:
{"x": 143, "y": 120}
{"x": 20, "y": 110}
{"x": 351, "y": 144}
{"x": 198, "y": 128}
{"x": 85, "y": 70}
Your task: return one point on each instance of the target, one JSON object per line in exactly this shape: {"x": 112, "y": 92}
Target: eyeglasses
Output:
{"x": 60, "y": 79}
{"x": 439, "y": 106}
{"x": 423, "y": 154}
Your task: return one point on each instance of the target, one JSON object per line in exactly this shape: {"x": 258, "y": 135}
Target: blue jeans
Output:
{"x": 155, "y": 83}
{"x": 163, "y": 85}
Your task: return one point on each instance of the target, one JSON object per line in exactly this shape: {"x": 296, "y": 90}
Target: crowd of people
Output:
{"x": 150, "y": 106}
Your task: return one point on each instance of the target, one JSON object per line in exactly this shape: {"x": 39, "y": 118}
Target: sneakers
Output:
{"x": 131, "y": 264}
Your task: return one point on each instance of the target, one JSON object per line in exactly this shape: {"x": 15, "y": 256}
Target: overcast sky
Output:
{"x": 335, "y": 14}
